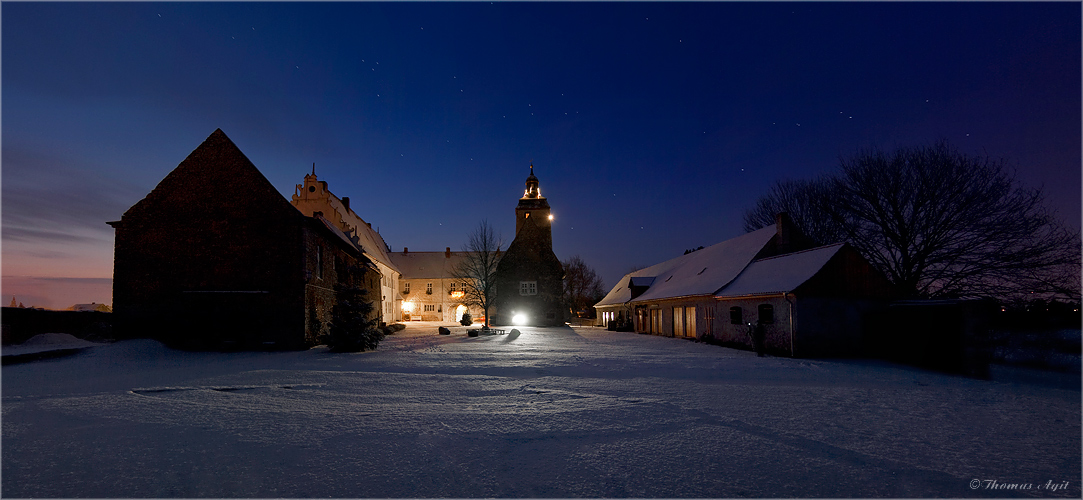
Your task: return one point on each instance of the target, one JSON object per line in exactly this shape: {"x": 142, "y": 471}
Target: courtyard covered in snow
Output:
{"x": 551, "y": 412}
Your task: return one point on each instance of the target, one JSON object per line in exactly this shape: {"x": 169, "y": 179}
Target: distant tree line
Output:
{"x": 936, "y": 222}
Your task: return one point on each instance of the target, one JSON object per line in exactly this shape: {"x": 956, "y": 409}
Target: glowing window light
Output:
{"x": 519, "y": 319}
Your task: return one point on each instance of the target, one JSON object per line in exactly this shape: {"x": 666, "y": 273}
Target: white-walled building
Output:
{"x": 806, "y": 301}
{"x": 312, "y": 197}
{"x": 427, "y": 287}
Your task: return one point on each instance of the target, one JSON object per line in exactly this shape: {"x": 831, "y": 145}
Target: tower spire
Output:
{"x": 313, "y": 168}
{"x": 531, "y": 184}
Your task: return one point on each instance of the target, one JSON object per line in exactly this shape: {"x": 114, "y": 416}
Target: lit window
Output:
{"x": 528, "y": 288}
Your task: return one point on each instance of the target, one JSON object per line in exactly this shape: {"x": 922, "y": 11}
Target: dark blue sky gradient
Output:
{"x": 652, "y": 126}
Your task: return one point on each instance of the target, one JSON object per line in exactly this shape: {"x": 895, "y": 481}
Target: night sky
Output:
{"x": 651, "y": 126}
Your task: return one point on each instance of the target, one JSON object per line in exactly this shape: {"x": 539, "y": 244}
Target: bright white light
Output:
{"x": 550, "y": 216}
{"x": 518, "y": 319}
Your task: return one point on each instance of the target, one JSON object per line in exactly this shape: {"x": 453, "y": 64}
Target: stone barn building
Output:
{"x": 808, "y": 301}
{"x": 529, "y": 275}
{"x": 215, "y": 257}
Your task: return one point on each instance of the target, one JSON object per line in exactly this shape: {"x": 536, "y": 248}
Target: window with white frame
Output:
{"x": 528, "y": 288}
{"x": 428, "y": 288}
{"x": 430, "y": 307}
{"x": 406, "y": 287}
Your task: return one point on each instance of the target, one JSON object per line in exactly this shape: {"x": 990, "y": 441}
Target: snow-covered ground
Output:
{"x": 554, "y": 412}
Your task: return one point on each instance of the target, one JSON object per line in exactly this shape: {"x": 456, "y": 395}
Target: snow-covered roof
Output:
{"x": 337, "y": 232}
{"x": 780, "y": 274}
{"x": 421, "y": 265}
{"x": 372, "y": 244}
{"x": 702, "y": 272}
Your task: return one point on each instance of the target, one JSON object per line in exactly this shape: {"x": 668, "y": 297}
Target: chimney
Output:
{"x": 447, "y": 253}
{"x": 346, "y": 202}
{"x": 405, "y": 250}
{"x": 784, "y": 232}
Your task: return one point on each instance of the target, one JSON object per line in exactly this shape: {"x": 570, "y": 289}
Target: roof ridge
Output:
{"x": 821, "y": 247}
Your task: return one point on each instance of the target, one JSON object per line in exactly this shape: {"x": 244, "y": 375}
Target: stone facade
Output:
{"x": 215, "y": 257}
{"x": 529, "y": 275}
{"x": 428, "y": 290}
{"x": 313, "y": 197}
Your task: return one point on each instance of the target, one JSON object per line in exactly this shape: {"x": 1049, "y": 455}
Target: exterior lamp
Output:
{"x": 518, "y": 319}
{"x": 550, "y": 216}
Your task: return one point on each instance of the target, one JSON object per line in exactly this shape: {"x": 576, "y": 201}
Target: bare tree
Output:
{"x": 582, "y": 286}
{"x": 807, "y": 203}
{"x": 939, "y": 222}
{"x": 477, "y": 269}
{"x": 936, "y": 222}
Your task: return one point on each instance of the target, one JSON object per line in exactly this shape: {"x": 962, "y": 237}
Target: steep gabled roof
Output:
{"x": 780, "y": 274}
{"x": 702, "y": 272}
{"x": 215, "y": 169}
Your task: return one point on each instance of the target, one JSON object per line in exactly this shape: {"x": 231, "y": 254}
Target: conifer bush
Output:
{"x": 353, "y": 327}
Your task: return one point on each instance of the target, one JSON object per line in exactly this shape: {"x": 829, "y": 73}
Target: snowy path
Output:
{"x": 550, "y": 413}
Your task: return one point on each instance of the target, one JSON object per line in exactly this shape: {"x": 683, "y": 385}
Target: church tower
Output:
{"x": 529, "y": 275}
{"x": 533, "y": 204}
